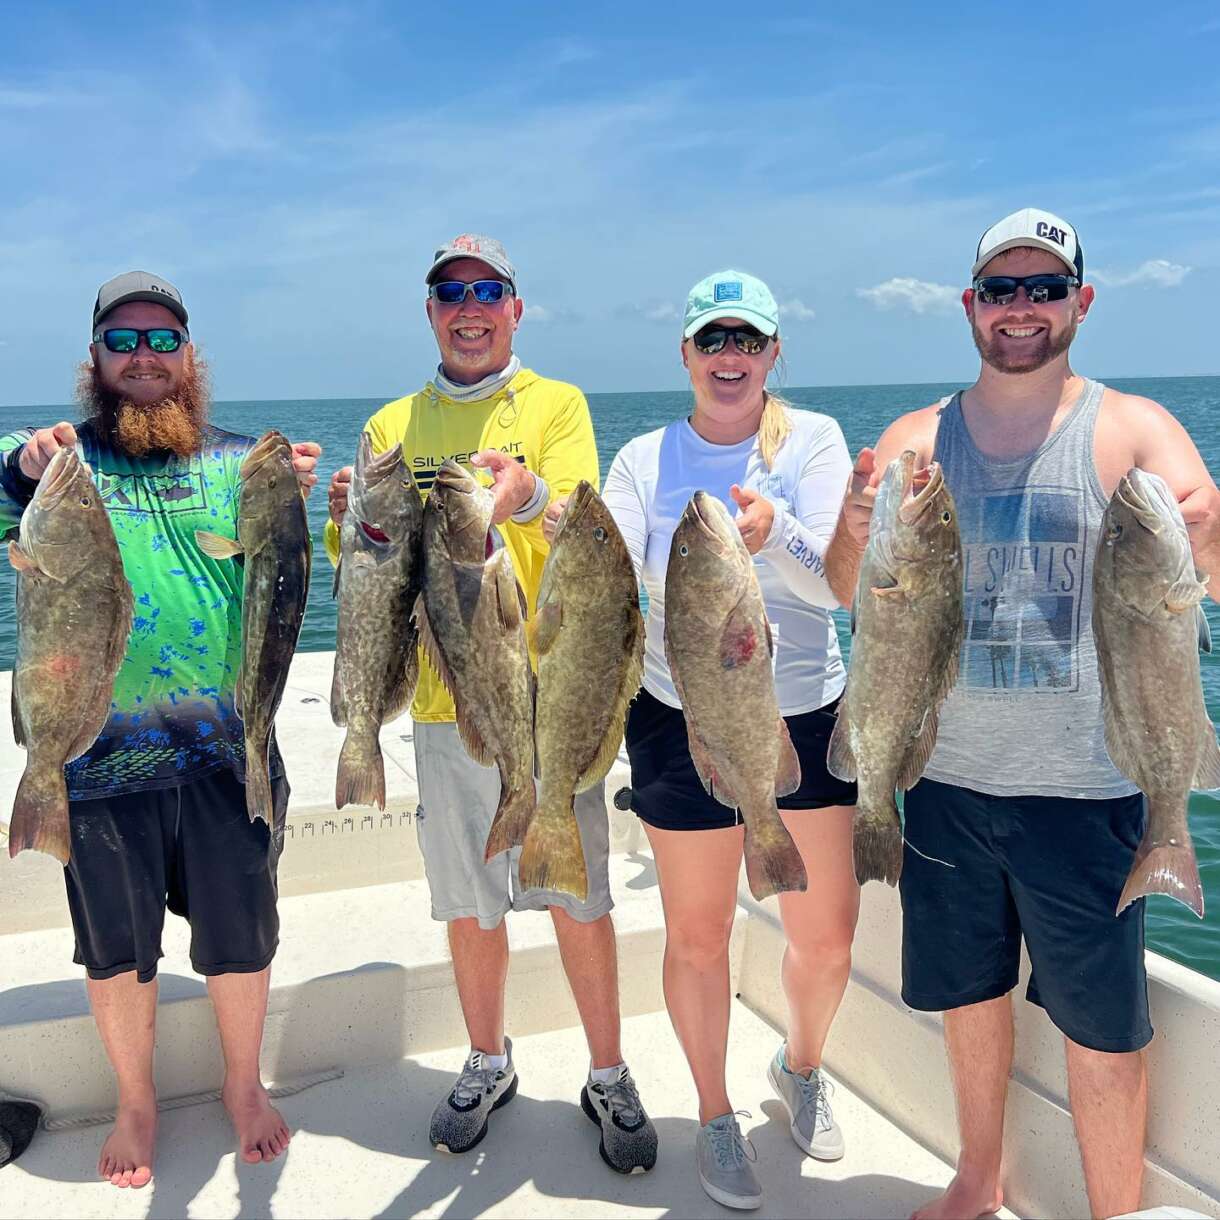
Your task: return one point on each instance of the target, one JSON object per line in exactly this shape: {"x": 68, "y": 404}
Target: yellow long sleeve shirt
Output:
{"x": 544, "y": 424}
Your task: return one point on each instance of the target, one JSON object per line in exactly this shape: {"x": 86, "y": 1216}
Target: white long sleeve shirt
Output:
{"x": 654, "y": 476}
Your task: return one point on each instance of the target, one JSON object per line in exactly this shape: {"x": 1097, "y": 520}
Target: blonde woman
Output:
{"x": 783, "y": 472}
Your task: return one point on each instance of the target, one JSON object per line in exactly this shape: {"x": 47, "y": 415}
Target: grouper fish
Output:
{"x": 74, "y": 614}
{"x": 273, "y": 537}
{"x": 379, "y": 577}
{"x": 471, "y": 617}
{"x": 1148, "y": 625}
{"x": 589, "y": 637}
{"x": 907, "y": 627}
{"x": 718, "y": 645}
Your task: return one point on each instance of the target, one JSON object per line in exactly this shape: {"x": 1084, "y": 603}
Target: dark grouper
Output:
{"x": 471, "y": 618}
{"x": 718, "y": 645}
{"x": 74, "y": 613}
{"x": 1148, "y": 625}
{"x": 379, "y": 577}
{"x": 907, "y": 625}
{"x": 273, "y": 535}
{"x": 589, "y": 637}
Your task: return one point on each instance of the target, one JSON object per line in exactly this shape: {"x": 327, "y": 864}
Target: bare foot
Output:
{"x": 262, "y": 1133}
{"x": 127, "y": 1154}
{"x": 966, "y": 1199}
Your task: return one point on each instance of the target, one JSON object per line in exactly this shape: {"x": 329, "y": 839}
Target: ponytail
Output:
{"x": 773, "y": 427}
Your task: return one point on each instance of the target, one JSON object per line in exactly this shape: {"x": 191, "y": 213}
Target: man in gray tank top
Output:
{"x": 1022, "y": 828}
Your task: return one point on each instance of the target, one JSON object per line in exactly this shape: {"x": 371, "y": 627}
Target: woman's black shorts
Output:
{"x": 665, "y": 788}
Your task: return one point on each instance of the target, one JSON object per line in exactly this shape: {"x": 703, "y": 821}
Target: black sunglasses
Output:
{"x": 748, "y": 340}
{"x": 1002, "y": 289}
{"x": 124, "y": 340}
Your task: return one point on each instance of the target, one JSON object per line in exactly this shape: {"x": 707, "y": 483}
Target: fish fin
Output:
{"x": 1207, "y": 773}
{"x": 919, "y": 751}
{"x": 237, "y": 685}
{"x": 19, "y": 561}
{"x": 360, "y": 779}
{"x": 1184, "y": 594}
{"x": 853, "y": 617}
{"x": 840, "y": 759}
{"x": 788, "y": 770}
{"x": 886, "y": 591}
{"x": 399, "y": 698}
{"x": 876, "y": 844}
{"x": 1164, "y": 868}
{"x": 472, "y": 739}
{"x": 260, "y": 803}
{"x": 334, "y": 589}
{"x": 773, "y": 863}
{"x": 40, "y": 813}
{"x": 513, "y": 816}
{"x": 553, "y": 857}
{"x": 739, "y": 640}
{"x": 15, "y": 710}
{"x": 705, "y": 766}
{"x": 544, "y": 627}
{"x": 431, "y": 645}
{"x": 1204, "y": 629}
{"x": 214, "y": 546}
{"x": 510, "y": 601}
{"x": 338, "y": 701}
{"x": 633, "y": 674}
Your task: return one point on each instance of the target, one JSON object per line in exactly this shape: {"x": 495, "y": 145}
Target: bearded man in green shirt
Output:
{"x": 157, "y": 804}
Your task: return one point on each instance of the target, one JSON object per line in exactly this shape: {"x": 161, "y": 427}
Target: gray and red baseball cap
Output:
{"x": 474, "y": 245}
{"x": 138, "y": 286}
{"x": 1031, "y": 227}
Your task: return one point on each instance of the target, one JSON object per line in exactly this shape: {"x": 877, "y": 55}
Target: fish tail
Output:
{"x": 877, "y": 845}
{"x": 773, "y": 863}
{"x": 1164, "y": 868}
{"x": 513, "y": 816}
{"x": 40, "y": 814}
{"x": 361, "y": 776}
{"x": 259, "y": 801}
{"x": 553, "y": 857}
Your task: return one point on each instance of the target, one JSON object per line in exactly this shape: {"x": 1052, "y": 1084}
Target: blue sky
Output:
{"x": 291, "y": 167}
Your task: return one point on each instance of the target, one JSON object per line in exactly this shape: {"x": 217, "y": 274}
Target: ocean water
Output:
{"x": 863, "y": 412}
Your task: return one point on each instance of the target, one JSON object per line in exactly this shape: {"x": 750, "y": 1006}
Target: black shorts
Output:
{"x": 191, "y": 848}
{"x": 666, "y": 791}
{"x": 979, "y": 872}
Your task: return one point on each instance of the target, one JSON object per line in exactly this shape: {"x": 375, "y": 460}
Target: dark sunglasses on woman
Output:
{"x": 749, "y": 341}
{"x": 124, "y": 340}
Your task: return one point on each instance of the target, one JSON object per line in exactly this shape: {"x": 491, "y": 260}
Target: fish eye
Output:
{"x": 1115, "y": 531}
{"x": 271, "y": 481}
{"x": 946, "y": 516}
{"x": 599, "y": 534}
{"x": 85, "y": 501}
{"x": 683, "y": 550}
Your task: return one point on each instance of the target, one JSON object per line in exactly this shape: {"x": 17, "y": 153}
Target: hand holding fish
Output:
{"x": 1201, "y": 512}
{"x": 305, "y": 456}
{"x": 857, "y": 510}
{"x": 550, "y": 518}
{"x": 37, "y": 452}
{"x": 512, "y": 484}
{"x": 755, "y": 519}
{"x": 340, "y": 485}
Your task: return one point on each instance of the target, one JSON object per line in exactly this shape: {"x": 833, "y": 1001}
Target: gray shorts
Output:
{"x": 457, "y": 801}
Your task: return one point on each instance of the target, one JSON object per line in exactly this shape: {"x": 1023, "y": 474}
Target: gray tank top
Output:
{"x": 1025, "y": 716}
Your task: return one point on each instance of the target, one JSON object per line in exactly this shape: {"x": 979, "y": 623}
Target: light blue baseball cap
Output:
{"x": 731, "y": 294}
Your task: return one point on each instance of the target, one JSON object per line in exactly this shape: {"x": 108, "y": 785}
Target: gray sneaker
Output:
{"x": 629, "y": 1140}
{"x": 807, "y": 1098}
{"x": 460, "y": 1121}
{"x": 724, "y": 1163}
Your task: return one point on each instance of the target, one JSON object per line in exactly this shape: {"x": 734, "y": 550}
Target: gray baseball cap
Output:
{"x": 138, "y": 286}
{"x": 1031, "y": 227}
{"x": 474, "y": 245}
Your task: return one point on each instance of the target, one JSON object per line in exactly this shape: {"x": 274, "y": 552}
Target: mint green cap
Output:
{"x": 731, "y": 294}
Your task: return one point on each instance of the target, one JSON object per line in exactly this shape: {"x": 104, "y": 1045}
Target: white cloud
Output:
{"x": 1158, "y": 271}
{"x": 919, "y": 296}
{"x": 538, "y": 313}
{"x": 665, "y": 311}
{"x": 797, "y": 310}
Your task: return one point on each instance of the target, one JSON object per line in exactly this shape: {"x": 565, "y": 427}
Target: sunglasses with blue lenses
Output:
{"x": 1002, "y": 289}
{"x": 124, "y": 340}
{"x": 486, "y": 292}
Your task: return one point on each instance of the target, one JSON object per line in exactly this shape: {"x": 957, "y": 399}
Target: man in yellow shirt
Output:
{"x": 535, "y": 437}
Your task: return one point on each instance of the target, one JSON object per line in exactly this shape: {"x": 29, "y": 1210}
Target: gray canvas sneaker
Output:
{"x": 813, "y": 1126}
{"x": 724, "y": 1163}
{"x": 460, "y": 1121}
{"x": 629, "y": 1140}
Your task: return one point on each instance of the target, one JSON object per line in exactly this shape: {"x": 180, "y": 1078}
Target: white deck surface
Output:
{"x": 360, "y": 1148}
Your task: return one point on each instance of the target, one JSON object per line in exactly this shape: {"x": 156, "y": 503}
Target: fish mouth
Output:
{"x": 58, "y": 478}
{"x": 915, "y": 503}
{"x": 270, "y": 445}
{"x": 452, "y": 477}
{"x": 1148, "y": 499}
{"x": 577, "y": 506}
{"x": 384, "y": 466}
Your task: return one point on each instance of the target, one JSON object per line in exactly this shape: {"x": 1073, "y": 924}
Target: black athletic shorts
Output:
{"x": 191, "y": 848}
{"x": 979, "y": 872}
{"x": 666, "y": 791}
